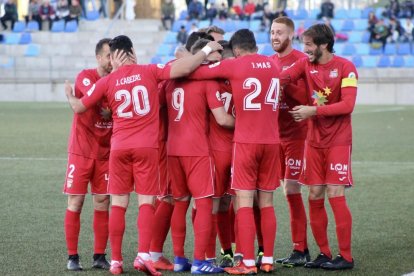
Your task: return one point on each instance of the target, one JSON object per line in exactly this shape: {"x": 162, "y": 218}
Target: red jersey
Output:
{"x": 163, "y": 135}
{"x": 132, "y": 93}
{"x": 332, "y": 88}
{"x": 189, "y": 103}
{"x": 254, "y": 81}
{"x": 289, "y": 129}
{"x": 221, "y": 138}
{"x": 91, "y": 131}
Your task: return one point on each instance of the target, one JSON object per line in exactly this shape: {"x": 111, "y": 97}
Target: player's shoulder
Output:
{"x": 298, "y": 54}
{"x": 346, "y": 64}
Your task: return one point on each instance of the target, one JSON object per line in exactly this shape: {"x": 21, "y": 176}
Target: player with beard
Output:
{"x": 332, "y": 87}
{"x": 292, "y": 139}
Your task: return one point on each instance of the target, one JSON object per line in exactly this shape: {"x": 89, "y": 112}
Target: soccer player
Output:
{"x": 255, "y": 85}
{"x": 133, "y": 165}
{"x": 189, "y": 162}
{"x": 292, "y": 139}
{"x": 88, "y": 154}
{"x": 332, "y": 85}
{"x": 216, "y": 32}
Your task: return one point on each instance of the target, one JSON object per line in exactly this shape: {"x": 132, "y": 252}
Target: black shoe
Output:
{"x": 259, "y": 259}
{"x": 339, "y": 263}
{"x": 321, "y": 259}
{"x": 226, "y": 261}
{"x": 74, "y": 263}
{"x": 297, "y": 258}
{"x": 99, "y": 261}
{"x": 281, "y": 260}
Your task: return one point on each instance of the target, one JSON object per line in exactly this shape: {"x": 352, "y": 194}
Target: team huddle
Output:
{"x": 221, "y": 125}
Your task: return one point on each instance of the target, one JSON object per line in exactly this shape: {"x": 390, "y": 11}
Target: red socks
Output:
{"x": 246, "y": 231}
{"x": 256, "y": 211}
{"x": 178, "y": 227}
{"x": 100, "y": 230}
{"x": 298, "y": 222}
{"x": 211, "y": 248}
{"x": 116, "y": 231}
{"x": 161, "y": 225}
{"x": 144, "y": 225}
{"x": 319, "y": 224}
{"x": 268, "y": 223}
{"x": 224, "y": 229}
{"x": 343, "y": 220}
{"x": 72, "y": 228}
{"x": 202, "y": 226}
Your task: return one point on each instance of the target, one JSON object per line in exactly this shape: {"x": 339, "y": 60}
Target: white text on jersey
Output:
{"x": 128, "y": 80}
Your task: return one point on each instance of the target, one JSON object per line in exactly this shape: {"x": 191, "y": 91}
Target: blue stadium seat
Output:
{"x": 262, "y": 37}
{"x": 25, "y": 38}
{"x": 379, "y": 11}
{"x": 357, "y": 61}
{"x": 362, "y": 49}
{"x": 298, "y": 46}
{"x": 267, "y": 50}
{"x": 227, "y": 36}
{"x": 203, "y": 24}
{"x": 390, "y": 49}
{"x": 348, "y": 25}
{"x": 404, "y": 49}
{"x": 301, "y": 14}
{"x": 33, "y": 26}
{"x": 409, "y": 61}
{"x": 384, "y": 61}
{"x": 241, "y": 24}
{"x": 32, "y": 50}
{"x": 12, "y": 38}
{"x": 348, "y": 50}
{"x": 360, "y": 24}
{"x": 166, "y": 59}
{"x": 228, "y": 25}
{"x": 177, "y": 25}
{"x": 355, "y": 37}
{"x": 309, "y": 22}
{"x": 58, "y": 26}
{"x": 71, "y": 26}
{"x": 255, "y": 25}
{"x": 6, "y": 62}
{"x": 170, "y": 38}
{"x": 338, "y": 47}
{"x": 398, "y": 62}
{"x": 341, "y": 14}
{"x": 19, "y": 26}
{"x": 354, "y": 13}
{"x": 155, "y": 60}
{"x": 290, "y": 13}
{"x": 164, "y": 50}
{"x": 375, "y": 51}
{"x": 183, "y": 15}
{"x": 369, "y": 61}
{"x": 314, "y": 13}
{"x": 366, "y": 11}
{"x": 365, "y": 37}
{"x": 92, "y": 15}
{"x": 337, "y": 24}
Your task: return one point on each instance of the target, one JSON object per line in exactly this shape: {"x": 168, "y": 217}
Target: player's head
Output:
{"x": 103, "y": 56}
{"x": 216, "y": 32}
{"x": 227, "y": 51}
{"x": 243, "y": 42}
{"x": 194, "y": 36}
{"x": 318, "y": 40}
{"x": 199, "y": 44}
{"x": 121, "y": 43}
{"x": 282, "y": 32}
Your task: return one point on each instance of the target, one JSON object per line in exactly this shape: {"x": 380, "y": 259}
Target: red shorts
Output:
{"x": 255, "y": 167}
{"x": 191, "y": 175}
{"x": 165, "y": 183}
{"x": 291, "y": 159}
{"x": 134, "y": 167}
{"x": 327, "y": 166}
{"x": 222, "y": 172}
{"x": 81, "y": 171}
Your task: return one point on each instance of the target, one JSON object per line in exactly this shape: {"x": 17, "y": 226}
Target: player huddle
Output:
{"x": 225, "y": 126}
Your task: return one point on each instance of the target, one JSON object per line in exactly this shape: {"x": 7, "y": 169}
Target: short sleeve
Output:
{"x": 84, "y": 82}
{"x": 95, "y": 93}
{"x": 349, "y": 76}
{"x": 213, "y": 94}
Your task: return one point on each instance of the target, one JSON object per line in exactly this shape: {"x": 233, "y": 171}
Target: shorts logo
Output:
{"x": 294, "y": 164}
{"x": 342, "y": 178}
{"x": 69, "y": 183}
{"x": 294, "y": 173}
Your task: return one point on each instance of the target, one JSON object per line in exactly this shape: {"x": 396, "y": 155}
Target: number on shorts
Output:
{"x": 71, "y": 170}
{"x": 178, "y": 102}
{"x": 272, "y": 95}
{"x": 139, "y": 101}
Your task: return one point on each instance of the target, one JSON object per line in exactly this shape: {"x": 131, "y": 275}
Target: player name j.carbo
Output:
{"x": 128, "y": 80}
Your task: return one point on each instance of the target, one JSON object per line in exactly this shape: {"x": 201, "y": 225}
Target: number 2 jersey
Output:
{"x": 254, "y": 82}
{"x": 132, "y": 93}
{"x": 91, "y": 131}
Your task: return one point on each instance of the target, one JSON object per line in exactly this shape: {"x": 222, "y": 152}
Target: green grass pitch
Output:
{"x": 33, "y": 139}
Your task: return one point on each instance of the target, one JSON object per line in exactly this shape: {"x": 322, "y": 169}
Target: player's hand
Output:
{"x": 215, "y": 46}
{"x": 119, "y": 57}
{"x": 302, "y": 112}
{"x": 68, "y": 89}
{"x": 133, "y": 56}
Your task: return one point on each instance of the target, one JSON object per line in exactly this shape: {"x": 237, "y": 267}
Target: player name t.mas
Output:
{"x": 259, "y": 65}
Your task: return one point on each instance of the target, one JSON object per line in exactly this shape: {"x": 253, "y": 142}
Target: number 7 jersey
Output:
{"x": 254, "y": 81}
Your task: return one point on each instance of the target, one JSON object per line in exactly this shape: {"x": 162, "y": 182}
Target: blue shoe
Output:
{"x": 205, "y": 267}
{"x": 181, "y": 264}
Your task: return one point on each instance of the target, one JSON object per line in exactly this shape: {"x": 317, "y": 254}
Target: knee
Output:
{"x": 75, "y": 203}
{"x": 101, "y": 202}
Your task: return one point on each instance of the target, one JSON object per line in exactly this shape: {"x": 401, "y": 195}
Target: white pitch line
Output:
{"x": 380, "y": 110}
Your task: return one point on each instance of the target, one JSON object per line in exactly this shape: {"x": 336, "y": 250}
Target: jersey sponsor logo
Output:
{"x": 161, "y": 66}
{"x": 214, "y": 64}
{"x": 313, "y": 71}
{"x": 86, "y": 82}
{"x": 286, "y": 67}
{"x": 333, "y": 74}
{"x": 90, "y": 91}
{"x": 293, "y": 163}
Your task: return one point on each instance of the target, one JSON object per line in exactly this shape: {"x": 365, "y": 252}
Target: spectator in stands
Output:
{"x": 211, "y": 12}
{"x": 408, "y": 28}
{"x": 182, "y": 35}
{"x": 392, "y": 9}
{"x": 193, "y": 28}
{"x": 62, "y": 11}
{"x": 327, "y": 10}
{"x": 216, "y": 32}
{"x": 258, "y": 10}
{"x": 195, "y": 9}
{"x": 103, "y": 9}
{"x": 75, "y": 10}
{"x": 372, "y": 21}
{"x": 380, "y": 34}
{"x": 33, "y": 13}
{"x": 299, "y": 31}
{"x": 268, "y": 16}
{"x": 47, "y": 13}
{"x": 167, "y": 13}
{"x": 395, "y": 30}
{"x": 408, "y": 9}
{"x": 117, "y": 6}
{"x": 236, "y": 12}
{"x": 10, "y": 14}
{"x": 223, "y": 12}
{"x": 327, "y": 22}
{"x": 249, "y": 9}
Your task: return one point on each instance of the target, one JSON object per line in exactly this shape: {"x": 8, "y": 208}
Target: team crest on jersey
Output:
{"x": 218, "y": 95}
{"x": 352, "y": 75}
{"x": 161, "y": 66}
{"x": 86, "y": 81}
{"x": 333, "y": 74}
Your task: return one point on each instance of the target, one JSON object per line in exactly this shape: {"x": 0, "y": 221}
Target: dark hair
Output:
{"x": 198, "y": 45}
{"x": 321, "y": 34}
{"x": 244, "y": 40}
{"x": 194, "y": 36}
{"x": 285, "y": 21}
{"x": 121, "y": 42}
{"x": 100, "y": 44}
{"x": 227, "y": 50}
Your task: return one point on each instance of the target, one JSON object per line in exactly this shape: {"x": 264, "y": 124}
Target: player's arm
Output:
{"x": 184, "y": 66}
{"x": 293, "y": 73}
{"x": 219, "y": 70}
{"x": 75, "y": 103}
{"x": 223, "y": 118}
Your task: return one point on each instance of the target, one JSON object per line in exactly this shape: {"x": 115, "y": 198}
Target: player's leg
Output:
{"x": 259, "y": 236}
{"x": 224, "y": 229}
